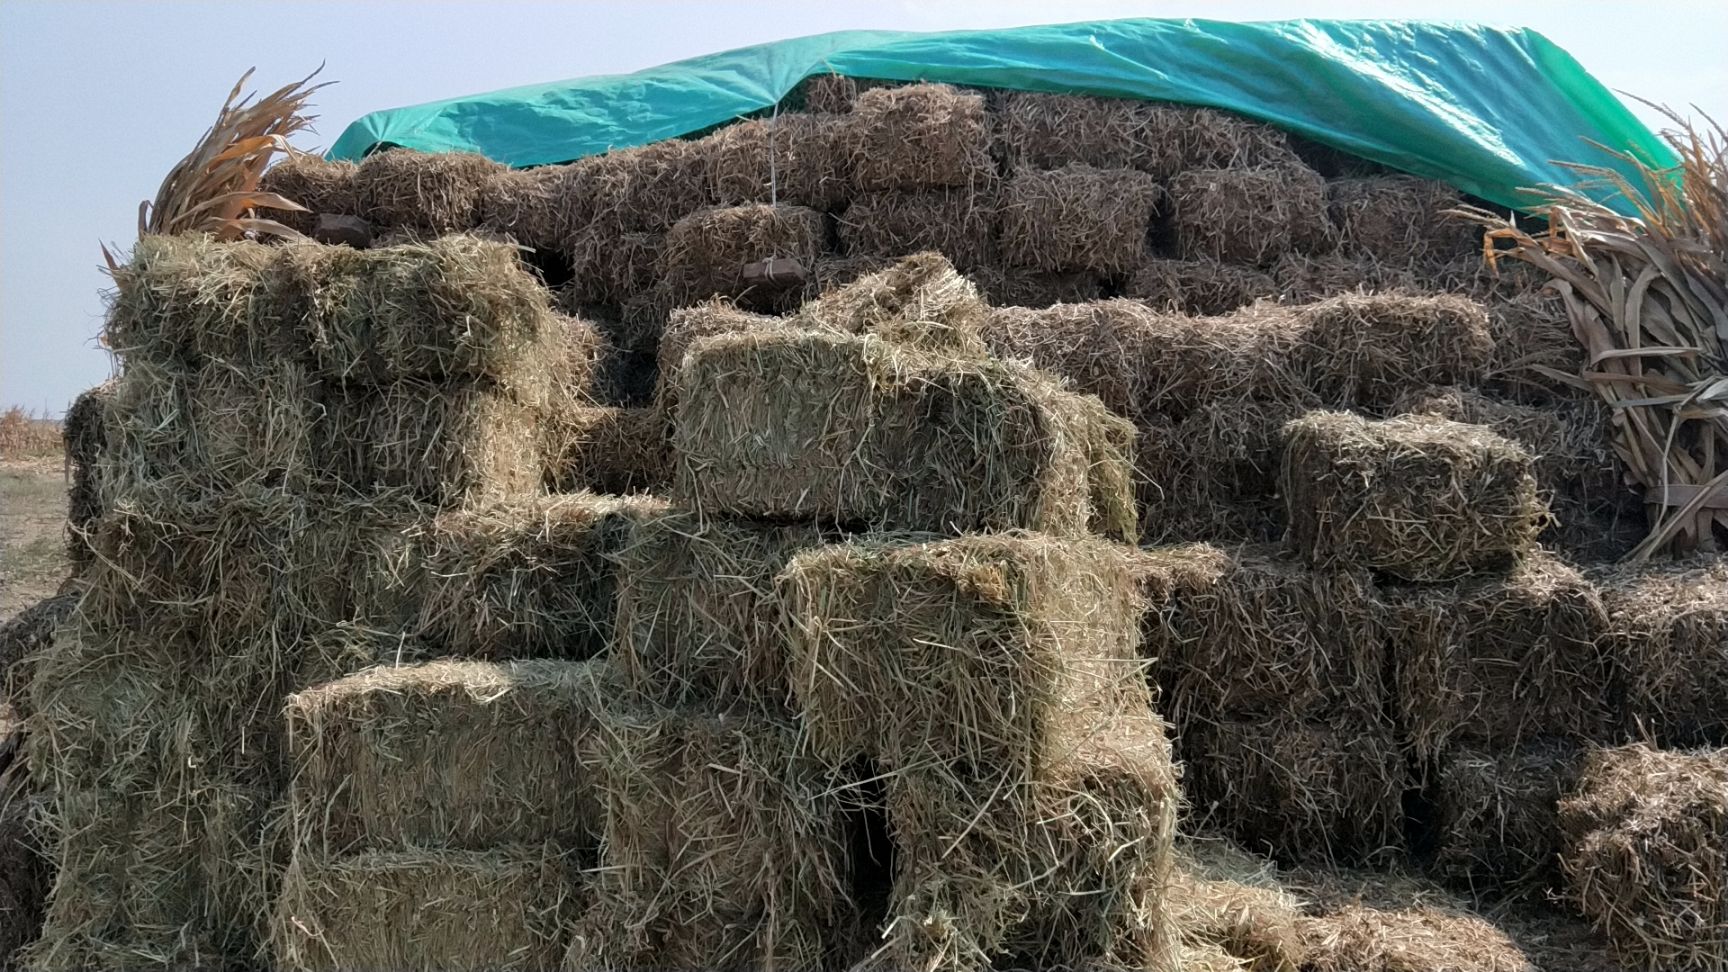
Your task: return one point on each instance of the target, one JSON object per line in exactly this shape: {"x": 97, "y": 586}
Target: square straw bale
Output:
{"x": 457, "y": 755}
{"x": 85, "y": 432}
{"x": 1214, "y": 474}
{"x": 1497, "y": 813}
{"x": 252, "y": 424}
{"x": 685, "y": 325}
{"x": 494, "y": 910}
{"x": 706, "y": 251}
{"x": 1077, "y": 218}
{"x": 1064, "y": 869}
{"x": 987, "y": 650}
{"x": 147, "y": 880}
{"x": 802, "y": 424}
{"x": 611, "y": 267}
{"x": 1146, "y": 365}
{"x": 1202, "y": 287}
{"x": 1496, "y": 659}
{"x": 456, "y": 308}
{"x": 320, "y": 185}
{"x": 830, "y": 93}
{"x": 1249, "y": 216}
{"x": 791, "y": 158}
{"x": 25, "y": 638}
{"x": 1367, "y": 349}
{"x": 146, "y": 432}
{"x": 183, "y": 298}
{"x": 1305, "y": 277}
{"x": 1415, "y": 939}
{"x": 1532, "y": 339}
{"x": 838, "y": 271}
{"x": 724, "y": 846}
{"x": 1227, "y": 898}
{"x": 1020, "y": 287}
{"x": 444, "y": 444}
{"x": 430, "y": 193}
{"x": 529, "y": 206}
{"x": 1668, "y": 630}
{"x": 1049, "y": 131}
{"x": 1400, "y": 219}
{"x": 1415, "y": 496}
{"x": 919, "y": 136}
{"x": 1301, "y": 789}
{"x": 1246, "y": 632}
{"x": 919, "y": 301}
{"x": 1175, "y": 138}
{"x": 607, "y": 449}
{"x": 528, "y": 579}
{"x": 699, "y": 620}
{"x": 1646, "y": 854}
{"x": 647, "y": 188}
{"x": 896, "y": 223}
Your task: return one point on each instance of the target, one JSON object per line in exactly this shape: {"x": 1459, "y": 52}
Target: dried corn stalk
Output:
{"x": 1647, "y": 295}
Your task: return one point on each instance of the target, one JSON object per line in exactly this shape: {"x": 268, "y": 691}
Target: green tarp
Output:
{"x": 1490, "y": 111}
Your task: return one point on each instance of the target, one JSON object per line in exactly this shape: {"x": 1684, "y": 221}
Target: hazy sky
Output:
{"x": 99, "y": 100}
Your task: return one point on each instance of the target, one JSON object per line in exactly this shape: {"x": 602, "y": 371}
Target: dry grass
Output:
{"x": 918, "y": 137}
{"x": 1416, "y": 496}
{"x": 1367, "y": 349}
{"x": 23, "y": 436}
{"x": 529, "y": 206}
{"x": 34, "y": 560}
{"x": 1077, "y": 218}
{"x": 918, "y": 301}
{"x": 607, "y": 449}
{"x": 1668, "y": 631}
{"x": 641, "y": 190}
{"x": 1019, "y": 287}
{"x": 1646, "y": 855}
{"x": 1223, "y": 897}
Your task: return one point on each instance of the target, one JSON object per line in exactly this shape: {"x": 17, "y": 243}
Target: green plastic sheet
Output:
{"x": 1493, "y": 112}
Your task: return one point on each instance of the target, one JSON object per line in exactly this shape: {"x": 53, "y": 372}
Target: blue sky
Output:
{"x": 99, "y": 100}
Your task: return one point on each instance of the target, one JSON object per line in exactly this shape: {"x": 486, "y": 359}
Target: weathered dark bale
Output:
{"x": 1400, "y": 219}
{"x": 530, "y": 206}
{"x": 953, "y": 222}
{"x": 1646, "y": 854}
{"x": 613, "y": 268}
{"x": 918, "y": 137}
{"x": 1368, "y": 349}
{"x": 315, "y": 183}
{"x": 422, "y": 192}
{"x": 22, "y": 637}
{"x": 1077, "y": 218}
{"x": 1037, "y": 289}
{"x": 26, "y": 877}
{"x": 1417, "y": 496}
{"x": 793, "y": 158}
{"x": 1048, "y": 131}
{"x": 706, "y": 251}
{"x": 1497, "y": 813}
{"x": 1668, "y": 630}
{"x": 1249, "y": 216}
{"x": 1213, "y": 474}
{"x": 830, "y": 93}
{"x": 1303, "y": 278}
{"x": 1177, "y": 138}
{"x": 1199, "y": 287}
{"x": 85, "y": 430}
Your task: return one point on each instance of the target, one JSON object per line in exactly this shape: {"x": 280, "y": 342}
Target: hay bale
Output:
{"x": 443, "y": 444}
{"x": 706, "y": 251}
{"x": 918, "y": 301}
{"x": 644, "y": 189}
{"x": 1176, "y": 138}
{"x": 181, "y": 298}
{"x": 685, "y": 326}
{"x": 320, "y": 185}
{"x": 1399, "y": 219}
{"x": 830, "y": 93}
{"x": 505, "y": 908}
{"x": 1367, "y": 350}
{"x": 918, "y": 136}
{"x": 1533, "y": 341}
{"x": 613, "y": 268}
{"x": 724, "y": 847}
{"x": 530, "y": 206}
{"x": 1358, "y": 938}
{"x": 790, "y": 158}
{"x": 448, "y": 755}
{"x": 1008, "y": 643}
{"x": 1668, "y": 630}
{"x": 1049, "y": 131}
{"x": 528, "y": 579}
{"x": 23, "y": 637}
{"x": 607, "y": 449}
{"x": 458, "y": 307}
{"x": 1249, "y": 216}
{"x": 1201, "y": 287}
{"x": 1214, "y": 474}
{"x": 85, "y": 432}
{"x": 1300, "y": 789}
{"x": 249, "y": 424}
{"x": 1077, "y": 218}
{"x": 25, "y": 878}
{"x": 1229, "y": 900}
{"x": 1499, "y": 659}
{"x": 429, "y": 193}
{"x": 1303, "y": 277}
{"x": 699, "y": 622}
{"x": 1038, "y": 289}
{"x": 1497, "y": 813}
{"x": 152, "y": 879}
{"x": 801, "y": 424}
{"x": 1419, "y": 497}
{"x": 1243, "y": 633}
{"x": 1646, "y": 855}
{"x": 896, "y": 223}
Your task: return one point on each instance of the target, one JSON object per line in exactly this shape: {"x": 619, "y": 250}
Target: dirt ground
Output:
{"x": 32, "y": 531}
